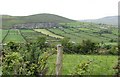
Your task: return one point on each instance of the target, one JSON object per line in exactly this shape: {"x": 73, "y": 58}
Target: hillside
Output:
{"x": 8, "y": 21}
{"x": 110, "y": 20}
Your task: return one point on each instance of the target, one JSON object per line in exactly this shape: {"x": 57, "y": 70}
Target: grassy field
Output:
{"x": 77, "y": 35}
{"x": 82, "y": 31}
{"x": 3, "y": 34}
{"x": 15, "y": 36}
{"x": 31, "y": 35}
{"x": 76, "y": 31}
{"x": 100, "y": 65}
{"x": 46, "y": 32}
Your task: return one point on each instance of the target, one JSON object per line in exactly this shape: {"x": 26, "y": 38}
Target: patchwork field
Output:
{"x": 46, "y": 32}
{"x": 75, "y": 33}
{"x": 79, "y": 34}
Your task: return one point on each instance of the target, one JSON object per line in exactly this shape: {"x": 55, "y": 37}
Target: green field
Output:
{"x": 31, "y": 35}
{"x": 15, "y": 36}
{"x": 83, "y": 31}
{"x": 78, "y": 34}
{"x": 46, "y": 32}
{"x": 75, "y": 34}
{"x": 23, "y": 35}
{"x": 76, "y": 31}
{"x": 3, "y": 34}
{"x": 100, "y": 65}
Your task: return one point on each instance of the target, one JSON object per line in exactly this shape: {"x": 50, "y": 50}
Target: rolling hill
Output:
{"x": 8, "y": 21}
{"x": 110, "y": 20}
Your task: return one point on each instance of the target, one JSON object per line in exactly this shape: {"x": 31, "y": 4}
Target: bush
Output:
{"x": 86, "y": 47}
{"x": 82, "y": 68}
{"x": 27, "y": 59}
{"x": 113, "y": 50}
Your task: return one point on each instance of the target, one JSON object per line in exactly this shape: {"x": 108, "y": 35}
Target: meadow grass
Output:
{"x": 3, "y": 34}
{"x": 83, "y": 33}
{"x": 31, "y": 35}
{"x": 100, "y": 65}
{"x": 46, "y": 32}
{"x": 14, "y": 36}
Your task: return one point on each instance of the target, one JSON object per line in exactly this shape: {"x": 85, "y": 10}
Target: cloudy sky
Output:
{"x": 73, "y": 9}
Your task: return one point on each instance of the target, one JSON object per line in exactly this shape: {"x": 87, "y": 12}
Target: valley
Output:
{"x": 29, "y": 46}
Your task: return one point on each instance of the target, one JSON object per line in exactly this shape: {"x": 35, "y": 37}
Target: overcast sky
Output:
{"x": 73, "y": 9}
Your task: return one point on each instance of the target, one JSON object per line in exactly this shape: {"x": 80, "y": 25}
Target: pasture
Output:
{"x": 100, "y": 64}
{"x": 46, "y": 32}
{"x": 77, "y": 32}
{"x": 15, "y": 36}
{"x": 83, "y": 31}
{"x": 77, "y": 35}
{"x": 31, "y": 35}
{"x": 3, "y": 33}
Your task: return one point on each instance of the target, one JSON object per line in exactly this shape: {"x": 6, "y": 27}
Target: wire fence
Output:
{"x": 100, "y": 64}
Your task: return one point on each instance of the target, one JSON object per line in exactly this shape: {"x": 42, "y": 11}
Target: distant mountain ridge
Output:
{"x": 44, "y": 17}
{"x": 110, "y": 20}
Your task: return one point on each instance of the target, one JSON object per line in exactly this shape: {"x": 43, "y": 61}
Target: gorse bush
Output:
{"x": 26, "y": 59}
{"x": 82, "y": 68}
{"x": 86, "y": 47}
{"x": 113, "y": 50}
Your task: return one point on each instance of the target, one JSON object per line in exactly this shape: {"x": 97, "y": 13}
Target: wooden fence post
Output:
{"x": 59, "y": 60}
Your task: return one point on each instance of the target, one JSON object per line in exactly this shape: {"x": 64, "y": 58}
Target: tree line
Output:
{"x": 88, "y": 47}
